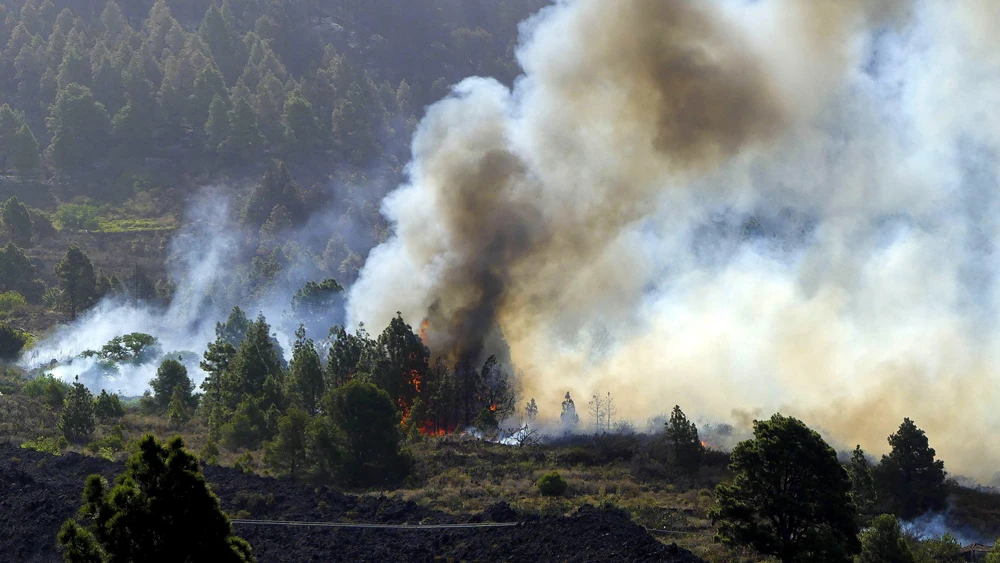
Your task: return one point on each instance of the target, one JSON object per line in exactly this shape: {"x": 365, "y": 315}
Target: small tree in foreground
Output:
{"x": 108, "y": 407}
{"x": 160, "y": 509}
{"x": 883, "y": 542}
{"x": 371, "y": 434}
{"x": 790, "y": 497}
{"x": 172, "y": 382}
{"x": 686, "y": 449}
{"x": 77, "y": 418}
{"x": 909, "y": 477}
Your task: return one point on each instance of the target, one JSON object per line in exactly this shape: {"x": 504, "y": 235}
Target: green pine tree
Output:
{"x": 24, "y": 155}
{"x": 77, "y": 418}
{"x": 217, "y": 126}
{"x": 245, "y": 139}
{"x": 79, "y": 127}
{"x": 16, "y": 221}
{"x": 77, "y": 281}
{"x": 160, "y": 509}
{"x": 305, "y": 382}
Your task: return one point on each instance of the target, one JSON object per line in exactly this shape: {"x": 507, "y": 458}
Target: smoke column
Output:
{"x": 736, "y": 206}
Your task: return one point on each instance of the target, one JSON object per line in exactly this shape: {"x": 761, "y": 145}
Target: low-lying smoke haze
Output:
{"x": 730, "y": 205}
{"x": 735, "y": 206}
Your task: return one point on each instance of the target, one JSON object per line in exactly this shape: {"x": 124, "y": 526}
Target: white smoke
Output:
{"x": 599, "y": 213}
{"x": 201, "y": 262}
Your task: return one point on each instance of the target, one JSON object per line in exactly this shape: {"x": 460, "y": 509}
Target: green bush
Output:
{"x": 12, "y": 341}
{"x": 11, "y": 301}
{"x": 48, "y": 388}
{"x": 44, "y": 445}
{"x": 552, "y": 484}
{"x": 108, "y": 407}
{"x": 209, "y": 454}
{"x": 78, "y": 217}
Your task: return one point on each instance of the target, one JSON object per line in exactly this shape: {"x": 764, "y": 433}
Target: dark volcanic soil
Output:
{"x": 38, "y": 492}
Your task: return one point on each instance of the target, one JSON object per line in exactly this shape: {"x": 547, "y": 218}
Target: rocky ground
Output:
{"x": 39, "y": 491}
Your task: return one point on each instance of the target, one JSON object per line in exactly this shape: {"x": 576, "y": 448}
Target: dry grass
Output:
{"x": 460, "y": 476}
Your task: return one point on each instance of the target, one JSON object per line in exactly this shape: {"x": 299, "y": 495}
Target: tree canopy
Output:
{"x": 789, "y": 498}
{"x": 912, "y": 480}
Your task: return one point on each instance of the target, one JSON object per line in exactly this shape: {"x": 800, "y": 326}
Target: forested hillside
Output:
{"x": 115, "y": 116}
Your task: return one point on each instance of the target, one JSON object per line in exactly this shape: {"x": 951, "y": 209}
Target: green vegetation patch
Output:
{"x": 12, "y": 301}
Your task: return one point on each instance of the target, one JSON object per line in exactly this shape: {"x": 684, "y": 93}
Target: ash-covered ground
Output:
{"x": 39, "y": 491}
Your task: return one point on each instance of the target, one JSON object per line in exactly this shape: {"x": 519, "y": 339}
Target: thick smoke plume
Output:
{"x": 734, "y": 206}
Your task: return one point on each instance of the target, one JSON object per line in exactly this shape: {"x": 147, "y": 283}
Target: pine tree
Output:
{"x": 24, "y": 155}
{"x": 16, "y": 221}
{"x": 862, "y": 484}
{"x": 171, "y": 377}
{"x": 218, "y": 34}
{"x": 10, "y": 122}
{"x": 160, "y": 509}
{"x": 245, "y": 139}
{"x": 17, "y": 273}
{"x": 131, "y": 127}
{"x": 77, "y": 418}
{"x": 301, "y": 128}
{"x": 276, "y": 188}
{"x": 288, "y": 452}
{"x": 114, "y": 28}
{"x": 531, "y": 411}
{"x": 370, "y": 424}
{"x": 208, "y": 84}
{"x": 277, "y": 223}
{"x": 685, "y": 446}
{"x": 108, "y": 406}
{"x": 255, "y": 371}
{"x": 178, "y": 410}
{"x": 77, "y": 281}
{"x": 74, "y": 69}
{"x": 912, "y": 480}
{"x": 79, "y": 127}
{"x": 305, "y": 374}
{"x": 568, "y": 416}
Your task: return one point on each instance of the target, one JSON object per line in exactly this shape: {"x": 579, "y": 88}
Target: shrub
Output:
{"x": 48, "y": 388}
{"x": 78, "y": 217}
{"x": 552, "y": 484}
{"x": 43, "y": 444}
{"x": 209, "y": 454}
{"x": 12, "y": 341}
{"x": 11, "y": 301}
{"x": 108, "y": 406}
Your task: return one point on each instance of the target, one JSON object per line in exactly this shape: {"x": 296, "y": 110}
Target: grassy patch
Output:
{"x": 11, "y": 302}
{"x": 136, "y": 225}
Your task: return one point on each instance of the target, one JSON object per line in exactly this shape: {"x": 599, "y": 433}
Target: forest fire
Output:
{"x": 423, "y": 331}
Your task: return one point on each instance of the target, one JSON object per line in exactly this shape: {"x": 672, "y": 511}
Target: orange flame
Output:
{"x": 493, "y": 408}
{"x": 423, "y": 331}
